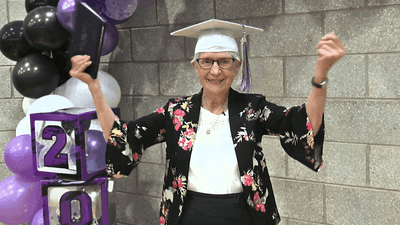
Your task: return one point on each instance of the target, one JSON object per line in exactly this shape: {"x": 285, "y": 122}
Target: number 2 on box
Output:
{"x": 54, "y": 157}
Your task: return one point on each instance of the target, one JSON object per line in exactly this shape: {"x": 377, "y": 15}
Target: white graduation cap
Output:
{"x": 216, "y": 35}
{"x": 219, "y": 36}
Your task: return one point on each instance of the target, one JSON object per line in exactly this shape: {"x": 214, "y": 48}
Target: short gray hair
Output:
{"x": 234, "y": 55}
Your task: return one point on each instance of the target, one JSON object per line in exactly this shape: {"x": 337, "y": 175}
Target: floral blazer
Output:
{"x": 250, "y": 117}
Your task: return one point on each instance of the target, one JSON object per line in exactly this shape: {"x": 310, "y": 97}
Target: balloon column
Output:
{"x": 57, "y": 163}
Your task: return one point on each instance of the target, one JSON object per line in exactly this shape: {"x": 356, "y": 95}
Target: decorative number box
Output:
{"x": 75, "y": 202}
{"x": 68, "y": 143}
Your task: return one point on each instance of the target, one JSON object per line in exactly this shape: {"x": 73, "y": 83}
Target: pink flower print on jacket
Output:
{"x": 160, "y": 110}
{"x": 247, "y": 178}
{"x": 135, "y": 157}
{"x": 187, "y": 137}
{"x": 260, "y": 207}
{"x": 177, "y": 123}
{"x": 243, "y": 135}
{"x": 179, "y": 113}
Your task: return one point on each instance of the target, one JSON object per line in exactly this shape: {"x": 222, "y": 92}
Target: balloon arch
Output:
{"x": 40, "y": 45}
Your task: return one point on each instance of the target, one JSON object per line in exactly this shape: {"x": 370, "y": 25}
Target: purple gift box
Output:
{"x": 75, "y": 202}
{"x": 68, "y": 143}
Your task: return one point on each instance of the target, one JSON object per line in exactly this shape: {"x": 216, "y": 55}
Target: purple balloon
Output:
{"x": 117, "y": 11}
{"x": 18, "y": 157}
{"x": 38, "y": 219}
{"x": 96, "y": 151}
{"x": 19, "y": 200}
{"x": 66, "y": 10}
{"x": 111, "y": 37}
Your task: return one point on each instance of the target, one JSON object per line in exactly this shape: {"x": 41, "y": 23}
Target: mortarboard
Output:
{"x": 219, "y": 36}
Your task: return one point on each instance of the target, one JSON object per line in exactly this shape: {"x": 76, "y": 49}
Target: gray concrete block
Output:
{"x": 366, "y": 30}
{"x": 137, "y": 209}
{"x": 180, "y": 11}
{"x": 346, "y": 77}
{"x": 348, "y": 205}
{"x": 153, "y": 154}
{"x": 267, "y": 76}
{"x": 178, "y": 78}
{"x": 4, "y": 13}
{"x": 384, "y": 168}
{"x": 362, "y": 121}
{"x": 16, "y": 10}
{"x": 151, "y": 44}
{"x": 104, "y": 66}
{"x": 286, "y": 35}
{"x": 228, "y": 9}
{"x": 293, "y": 6}
{"x": 5, "y": 82}
{"x": 16, "y": 94}
{"x": 279, "y": 188}
{"x": 126, "y": 106}
{"x": 136, "y": 78}
{"x": 4, "y": 172}
{"x": 12, "y": 113}
{"x": 127, "y": 184}
{"x": 5, "y": 138}
{"x": 275, "y": 156}
{"x": 123, "y": 51}
{"x": 284, "y": 221}
{"x": 146, "y": 105}
{"x": 343, "y": 164}
{"x": 382, "y": 2}
{"x": 145, "y": 15}
{"x": 298, "y": 222}
{"x": 384, "y": 76}
{"x": 4, "y": 61}
{"x": 150, "y": 179}
{"x": 299, "y": 200}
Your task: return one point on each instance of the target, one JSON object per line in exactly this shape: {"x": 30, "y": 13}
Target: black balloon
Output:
{"x": 35, "y": 75}
{"x": 42, "y": 29}
{"x": 62, "y": 60}
{"x": 33, "y": 4}
{"x": 13, "y": 44}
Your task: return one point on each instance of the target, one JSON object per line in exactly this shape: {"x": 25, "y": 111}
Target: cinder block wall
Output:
{"x": 359, "y": 183}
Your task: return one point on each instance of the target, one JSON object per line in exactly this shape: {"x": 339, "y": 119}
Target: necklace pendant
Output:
{"x": 208, "y": 131}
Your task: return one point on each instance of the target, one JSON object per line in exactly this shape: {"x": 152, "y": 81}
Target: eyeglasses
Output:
{"x": 223, "y": 63}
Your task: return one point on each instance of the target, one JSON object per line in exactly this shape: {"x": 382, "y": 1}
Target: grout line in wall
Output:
{"x": 366, "y": 76}
{"x": 155, "y": 8}
{"x": 336, "y": 184}
{"x": 324, "y": 216}
{"x": 323, "y": 23}
{"x": 8, "y": 13}
{"x": 284, "y": 77}
{"x": 254, "y": 57}
{"x": 302, "y": 98}
{"x": 368, "y": 178}
{"x": 283, "y": 7}
{"x": 215, "y": 9}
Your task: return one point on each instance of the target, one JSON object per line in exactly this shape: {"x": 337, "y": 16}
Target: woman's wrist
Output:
{"x": 94, "y": 85}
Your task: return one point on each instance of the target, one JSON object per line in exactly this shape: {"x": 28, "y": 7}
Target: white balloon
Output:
{"x": 78, "y": 92}
{"x": 26, "y": 103}
{"x": 22, "y": 127}
{"x": 48, "y": 103}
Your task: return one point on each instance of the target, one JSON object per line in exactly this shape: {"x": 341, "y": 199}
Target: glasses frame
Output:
{"x": 213, "y": 61}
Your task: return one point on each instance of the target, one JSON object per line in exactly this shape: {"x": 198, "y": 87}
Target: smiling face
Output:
{"x": 216, "y": 81}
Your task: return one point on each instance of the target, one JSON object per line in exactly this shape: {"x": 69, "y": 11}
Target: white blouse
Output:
{"x": 213, "y": 165}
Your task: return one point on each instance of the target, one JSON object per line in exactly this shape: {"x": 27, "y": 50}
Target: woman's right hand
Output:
{"x": 79, "y": 64}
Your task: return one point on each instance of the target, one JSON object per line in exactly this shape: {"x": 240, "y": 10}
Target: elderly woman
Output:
{"x": 217, "y": 172}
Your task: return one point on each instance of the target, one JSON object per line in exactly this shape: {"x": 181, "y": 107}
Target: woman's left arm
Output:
{"x": 330, "y": 50}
